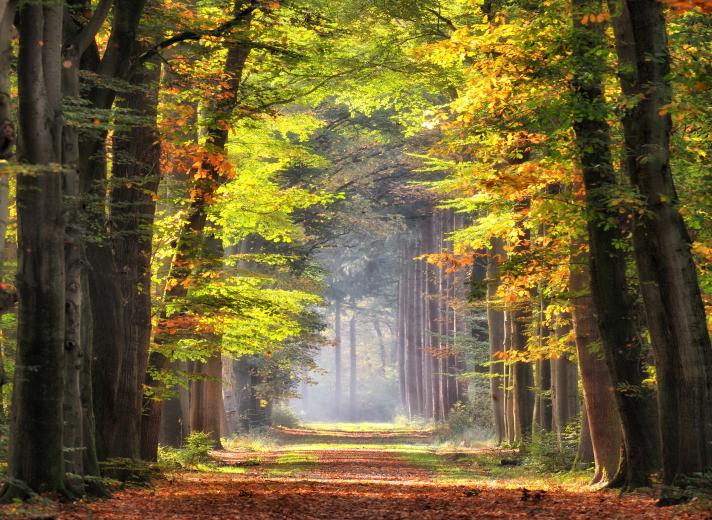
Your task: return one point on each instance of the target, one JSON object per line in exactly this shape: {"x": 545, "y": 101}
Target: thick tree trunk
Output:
{"x": 584, "y": 453}
{"x": 36, "y": 456}
{"x": 7, "y": 152}
{"x": 135, "y": 178}
{"x": 598, "y": 392}
{"x": 104, "y": 293}
{"x": 668, "y": 277}
{"x": 7, "y": 128}
{"x": 206, "y": 398}
{"x": 620, "y": 342}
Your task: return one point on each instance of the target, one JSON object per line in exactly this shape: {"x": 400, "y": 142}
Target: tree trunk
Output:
{"x": 609, "y": 288}
{"x": 495, "y": 326}
{"x": 175, "y": 423}
{"x": 36, "y": 456}
{"x": 668, "y": 277}
{"x": 135, "y": 178}
{"x": 7, "y": 152}
{"x": 381, "y": 346}
{"x": 584, "y": 453}
{"x": 564, "y": 395}
{"x": 352, "y": 367}
{"x": 522, "y": 377}
{"x": 418, "y": 326}
{"x": 7, "y": 129}
{"x": 104, "y": 293}
{"x": 543, "y": 413}
{"x": 402, "y": 331}
{"x": 337, "y": 358}
{"x": 598, "y": 392}
{"x": 206, "y": 398}
{"x": 442, "y": 345}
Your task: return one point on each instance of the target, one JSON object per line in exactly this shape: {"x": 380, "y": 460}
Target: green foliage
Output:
{"x": 468, "y": 422}
{"x": 195, "y": 450}
{"x": 546, "y": 452}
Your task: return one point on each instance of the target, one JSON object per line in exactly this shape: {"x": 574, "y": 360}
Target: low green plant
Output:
{"x": 468, "y": 423}
{"x": 195, "y": 450}
{"x": 548, "y": 452}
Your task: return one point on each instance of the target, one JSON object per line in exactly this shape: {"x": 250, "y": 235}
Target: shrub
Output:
{"x": 468, "y": 422}
{"x": 196, "y": 450}
{"x": 545, "y": 452}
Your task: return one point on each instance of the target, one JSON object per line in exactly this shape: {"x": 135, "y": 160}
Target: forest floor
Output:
{"x": 362, "y": 473}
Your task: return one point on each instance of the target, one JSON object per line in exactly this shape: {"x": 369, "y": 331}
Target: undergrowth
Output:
{"x": 195, "y": 450}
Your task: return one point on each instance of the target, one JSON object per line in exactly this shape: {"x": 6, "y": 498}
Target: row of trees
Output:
{"x": 561, "y": 218}
{"x": 168, "y": 211}
{"x": 154, "y": 240}
{"x": 553, "y": 126}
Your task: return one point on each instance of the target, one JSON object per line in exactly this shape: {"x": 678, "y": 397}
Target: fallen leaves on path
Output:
{"x": 359, "y": 483}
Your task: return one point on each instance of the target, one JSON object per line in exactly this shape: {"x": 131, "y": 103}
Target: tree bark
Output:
{"x": 36, "y": 456}
{"x": 135, "y": 176}
{"x": 668, "y": 277}
{"x": 584, "y": 453}
{"x": 7, "y": 152}
{"x": 609, "y": 287}
{"x": 206, "y": 398}
{"x": 104, "y": 289}
{"x": 543, "y": 413}
{"x": 598, "y": 392}
{"x": 522, "y": 377}
{"x": 7, "y": 128}
{"x": 175, "y": 419}
{"x": 495, "y": 326}
{"x": 564, "y": 397}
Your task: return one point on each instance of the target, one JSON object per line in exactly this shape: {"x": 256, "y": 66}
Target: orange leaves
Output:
{"x": 178, "y": 325}
{"x": 594, "y": 18}
{"x": 451, "y": 262}
{"x": 688, "y": 5}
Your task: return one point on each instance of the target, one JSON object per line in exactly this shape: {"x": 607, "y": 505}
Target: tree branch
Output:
{"x": 198, "y": 35}
{"x": 86, "y": 36}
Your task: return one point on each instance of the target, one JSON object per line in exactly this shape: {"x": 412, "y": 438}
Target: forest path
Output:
{"x": 332, "y": 474}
